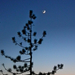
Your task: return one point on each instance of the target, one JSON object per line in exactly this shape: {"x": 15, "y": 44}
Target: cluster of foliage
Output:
{"x": 26, "y": 34}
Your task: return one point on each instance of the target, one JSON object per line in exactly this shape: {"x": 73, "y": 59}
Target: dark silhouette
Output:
{"x": 26, "y": 34}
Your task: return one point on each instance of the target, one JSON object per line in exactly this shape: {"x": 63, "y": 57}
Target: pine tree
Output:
{"x": 27, "y": 34}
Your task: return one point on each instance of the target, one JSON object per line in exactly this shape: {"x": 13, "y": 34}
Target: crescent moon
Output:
{"x": 44, "y": 11}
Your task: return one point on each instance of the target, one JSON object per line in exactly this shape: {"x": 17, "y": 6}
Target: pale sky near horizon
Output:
{"x": 59, "y": 22}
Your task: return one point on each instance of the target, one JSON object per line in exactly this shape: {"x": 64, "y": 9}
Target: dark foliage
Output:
{"x": 26, "y": 34}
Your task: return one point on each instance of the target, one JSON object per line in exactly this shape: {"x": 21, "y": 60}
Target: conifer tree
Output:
{"x": 27, "y": 35}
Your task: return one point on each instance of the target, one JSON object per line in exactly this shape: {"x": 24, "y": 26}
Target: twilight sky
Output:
{"x": 59, "y": 22}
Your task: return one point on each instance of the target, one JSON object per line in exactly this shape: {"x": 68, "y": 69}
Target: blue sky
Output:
{"x": 59, "y": 22}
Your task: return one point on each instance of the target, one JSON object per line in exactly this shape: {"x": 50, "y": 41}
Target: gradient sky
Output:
{"x": 59, "y": 22}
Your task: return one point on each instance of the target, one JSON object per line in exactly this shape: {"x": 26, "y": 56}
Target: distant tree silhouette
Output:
{"x": 26, "y": 34}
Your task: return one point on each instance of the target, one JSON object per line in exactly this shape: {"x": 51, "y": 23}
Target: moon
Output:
{"x": 44, "y": 11}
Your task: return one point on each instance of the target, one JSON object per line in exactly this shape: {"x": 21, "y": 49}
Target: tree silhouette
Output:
{"x": 26, "y": 34}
